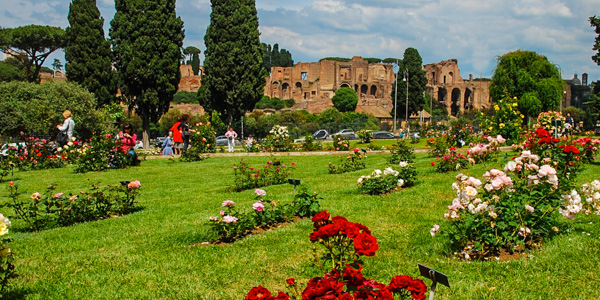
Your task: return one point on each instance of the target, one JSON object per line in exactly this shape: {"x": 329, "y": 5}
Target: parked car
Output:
{"x": 158, "y": 142}
{"x": 222, "y": 141}
{"x": 349, "y": 133}
{"x": 320, "y": 134}
{"x": 384, "y": 135}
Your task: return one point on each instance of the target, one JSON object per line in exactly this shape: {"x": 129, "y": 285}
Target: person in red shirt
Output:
{"x": 177, "y": 139}
{"x": 128, "y": 140}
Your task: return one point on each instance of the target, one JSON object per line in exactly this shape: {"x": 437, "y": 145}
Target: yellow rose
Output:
{"x": 502, "y": 125}
{"x": 490, "y": 128}
{"x": 3, "y": 229}
{"x": 496, "y": 107}
{"x": 515, "y": 104}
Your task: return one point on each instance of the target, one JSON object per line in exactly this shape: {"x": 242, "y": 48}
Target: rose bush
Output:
{"x": 273, "y": 172}
{"x": 202, "y": 141}
{"x": 388, "y": 180}
{"x": 355, "y": 160}
{"x": 481, "y": 153}
{"x": 452, "y": 160}
{"x": 401, "y": 152}
{"x": 7, "y": 267}
{"x": 342, "y": 244}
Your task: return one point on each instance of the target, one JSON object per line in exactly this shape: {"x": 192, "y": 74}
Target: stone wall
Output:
{"x": 446, "y": 85}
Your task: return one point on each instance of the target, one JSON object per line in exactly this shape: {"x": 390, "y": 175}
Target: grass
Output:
{"x": 151, "y": 254}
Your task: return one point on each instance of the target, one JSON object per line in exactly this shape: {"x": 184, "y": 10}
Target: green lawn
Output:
{"x": 151, "y": 254}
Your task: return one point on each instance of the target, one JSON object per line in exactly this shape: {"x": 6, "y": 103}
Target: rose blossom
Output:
{"x": 400, "y": 182}
{"x": 134, "y": 184}
{"x": 36, "y": 196}
{"x": 222, "y": 212}
{"x": 228, "y": 203}
{"x": 434, "y": 229}
{"x": 529, "y": 208}
{"x": 260, "y": 192}
{"x": 258, "y": 206}
{"x": 403, "y": 164}
{"x": 230, "y": 219}
{"x": 58, "y": 195}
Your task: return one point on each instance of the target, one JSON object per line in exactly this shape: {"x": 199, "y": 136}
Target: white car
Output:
{"x": 346, "y": 133}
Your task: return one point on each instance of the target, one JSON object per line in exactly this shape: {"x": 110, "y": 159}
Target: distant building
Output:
{"x": 445, "y": 85}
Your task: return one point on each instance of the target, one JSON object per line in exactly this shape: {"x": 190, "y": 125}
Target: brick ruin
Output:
{"x": 445, "y": 84}
{"x": 312, "y": 85}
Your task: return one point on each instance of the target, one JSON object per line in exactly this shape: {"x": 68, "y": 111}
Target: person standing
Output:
{"x": 569, "y": 123}
{"x": 177, "y": 140}
{"x": 249, "y": 142}
{"x": 128, "y": 140}
{"x": 184, "y": 128}
{"x": 66, "y": 129}
{"x": 231, "y": 136}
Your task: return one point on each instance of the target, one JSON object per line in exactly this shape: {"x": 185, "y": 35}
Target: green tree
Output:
{"x": 9, "y": 72}
{"x": 595, "y": 22}
{"x": 87, "y": 52}
{"x": 193, "y": 55}
{"x": 234, "y": 75}
{"x": 147, "y": 37}
{"x": 56, "y": 66}
{"x": 411, "y": 65}
{"x": 36, "y": 41}
{"x": 36, "y": 109}
{"x": 531, "y": 78}
{"x": 345, "y": 99}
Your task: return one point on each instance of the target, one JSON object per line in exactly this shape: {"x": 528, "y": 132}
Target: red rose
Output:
{"x": 349, "y": 229}
{"x": 321, "y": 217}
{"x": 318, "y": 288}
{"x": 290, "y": 281}
{"x": 363, "y": 228}
{"x": 400, "y": 282}
{"x": 259, "y": 293}
{"x": 433, "y": 163}
{"x": 353, "y": 276}
{"x": 11, "y": 183}
{"x": 365, "y": 244}
{"x": 417, "y": 289}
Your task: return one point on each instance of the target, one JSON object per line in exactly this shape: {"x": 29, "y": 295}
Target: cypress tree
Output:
{"x": 88, "y": 52}
{"x": 147, "y": 37}
{"x": 417, "y": 83}
{"x": 234, "y": 76}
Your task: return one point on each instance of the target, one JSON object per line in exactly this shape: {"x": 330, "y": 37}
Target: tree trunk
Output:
{"x": 146, "y": 127}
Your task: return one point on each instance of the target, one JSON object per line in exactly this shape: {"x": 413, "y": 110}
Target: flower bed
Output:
{"x": 351, "y": 162}
{"x": 342, "y": 244}
{"x": 101, "y": 153}
{"x": 451, "y": 161}
{"x": 481, "y": 153}
{"x": 52, "y": 209}
{"x": 273, "y": 172}
{"x": 517, "y": 208}
{"x": 7, "y": 259}
{"x": 231, "y": 224}
{"x": 389, "y": 180}
{"x": 202, "y": 141}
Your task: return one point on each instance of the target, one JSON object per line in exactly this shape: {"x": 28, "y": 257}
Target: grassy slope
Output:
{"x": 150, "y": 254}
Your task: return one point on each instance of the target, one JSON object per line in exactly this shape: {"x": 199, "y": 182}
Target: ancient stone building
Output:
{"x": 312, "y": 85}
{"x": 447, "y": 86}
{"x": 189, "y": 82}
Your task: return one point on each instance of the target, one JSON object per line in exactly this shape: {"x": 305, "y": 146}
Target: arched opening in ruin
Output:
{"x": 467, "y": 102}
{"x": 373, "y": 90}
{"x": 298, "y": 85}
{"x": 285, "y": 91}
{"x": 455, "y": 104}
{"x": 364, "y": 90}
{"x": 356, "y": 88}
{"x": 442, "y": 95}
{"x": 345, "y": 85}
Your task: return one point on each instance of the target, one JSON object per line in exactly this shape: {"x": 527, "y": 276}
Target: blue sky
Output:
{"x": 473, "y": 31}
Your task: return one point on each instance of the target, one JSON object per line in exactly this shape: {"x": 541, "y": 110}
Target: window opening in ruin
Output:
{"x": 455, "y": 106}
{"x": 304, "y": 76}
{"x": 444, "y": 79}
{"x": 299, "y": 85}
{"x": 433, "y": 78}
{"x": 364, "y": 89}
{"x": 373, "y": 90}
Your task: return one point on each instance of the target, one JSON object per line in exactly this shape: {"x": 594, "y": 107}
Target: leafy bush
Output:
{"x": 481, "y": 153}
{"x": 506, "y": 122}
{"x": 202, "y": 140}
{"x": 185, "y": 97}
{"x": 232, "y": 224}
{"x": 310, "y": 144}
{"x": 365, "y": 136}
{"x": 355, "y": 160}
{"x": 379, "y": 182}
{"x": 278, "y": 140}
{"x": 340, "y": 143}
{"x": 101, "y": 153}
{"x": 401, "y": 152}
{"x": 342, "y": 244}
{"x": 452, "y": 161}
{"x": 57, "y": 209}
{"x": 247, "y": 177}
{"x": 36, "y": 109}
{"x": 345, "y": 99}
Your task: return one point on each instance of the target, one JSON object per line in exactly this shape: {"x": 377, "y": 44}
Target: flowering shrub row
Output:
{"x": 52, "y": 209}
{"x": 34, "y": 154}
{"x": 389, "y": 180}
{"x": 351, "y": 162}
{"x": 507, "y": 121}
{"x": 232, "y": 224}
{"x": 342, "y": 244}
{"x": 102, "y": 152}
{"x": 273, "y": 172}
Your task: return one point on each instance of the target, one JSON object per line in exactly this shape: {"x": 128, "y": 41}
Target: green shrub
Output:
{"x": 247, "y": 177}
{"x": 401, "y": 152}
{"x": 348, "y": 163}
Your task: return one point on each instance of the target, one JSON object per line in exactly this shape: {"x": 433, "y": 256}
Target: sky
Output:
{"x": 474, "y": 32}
